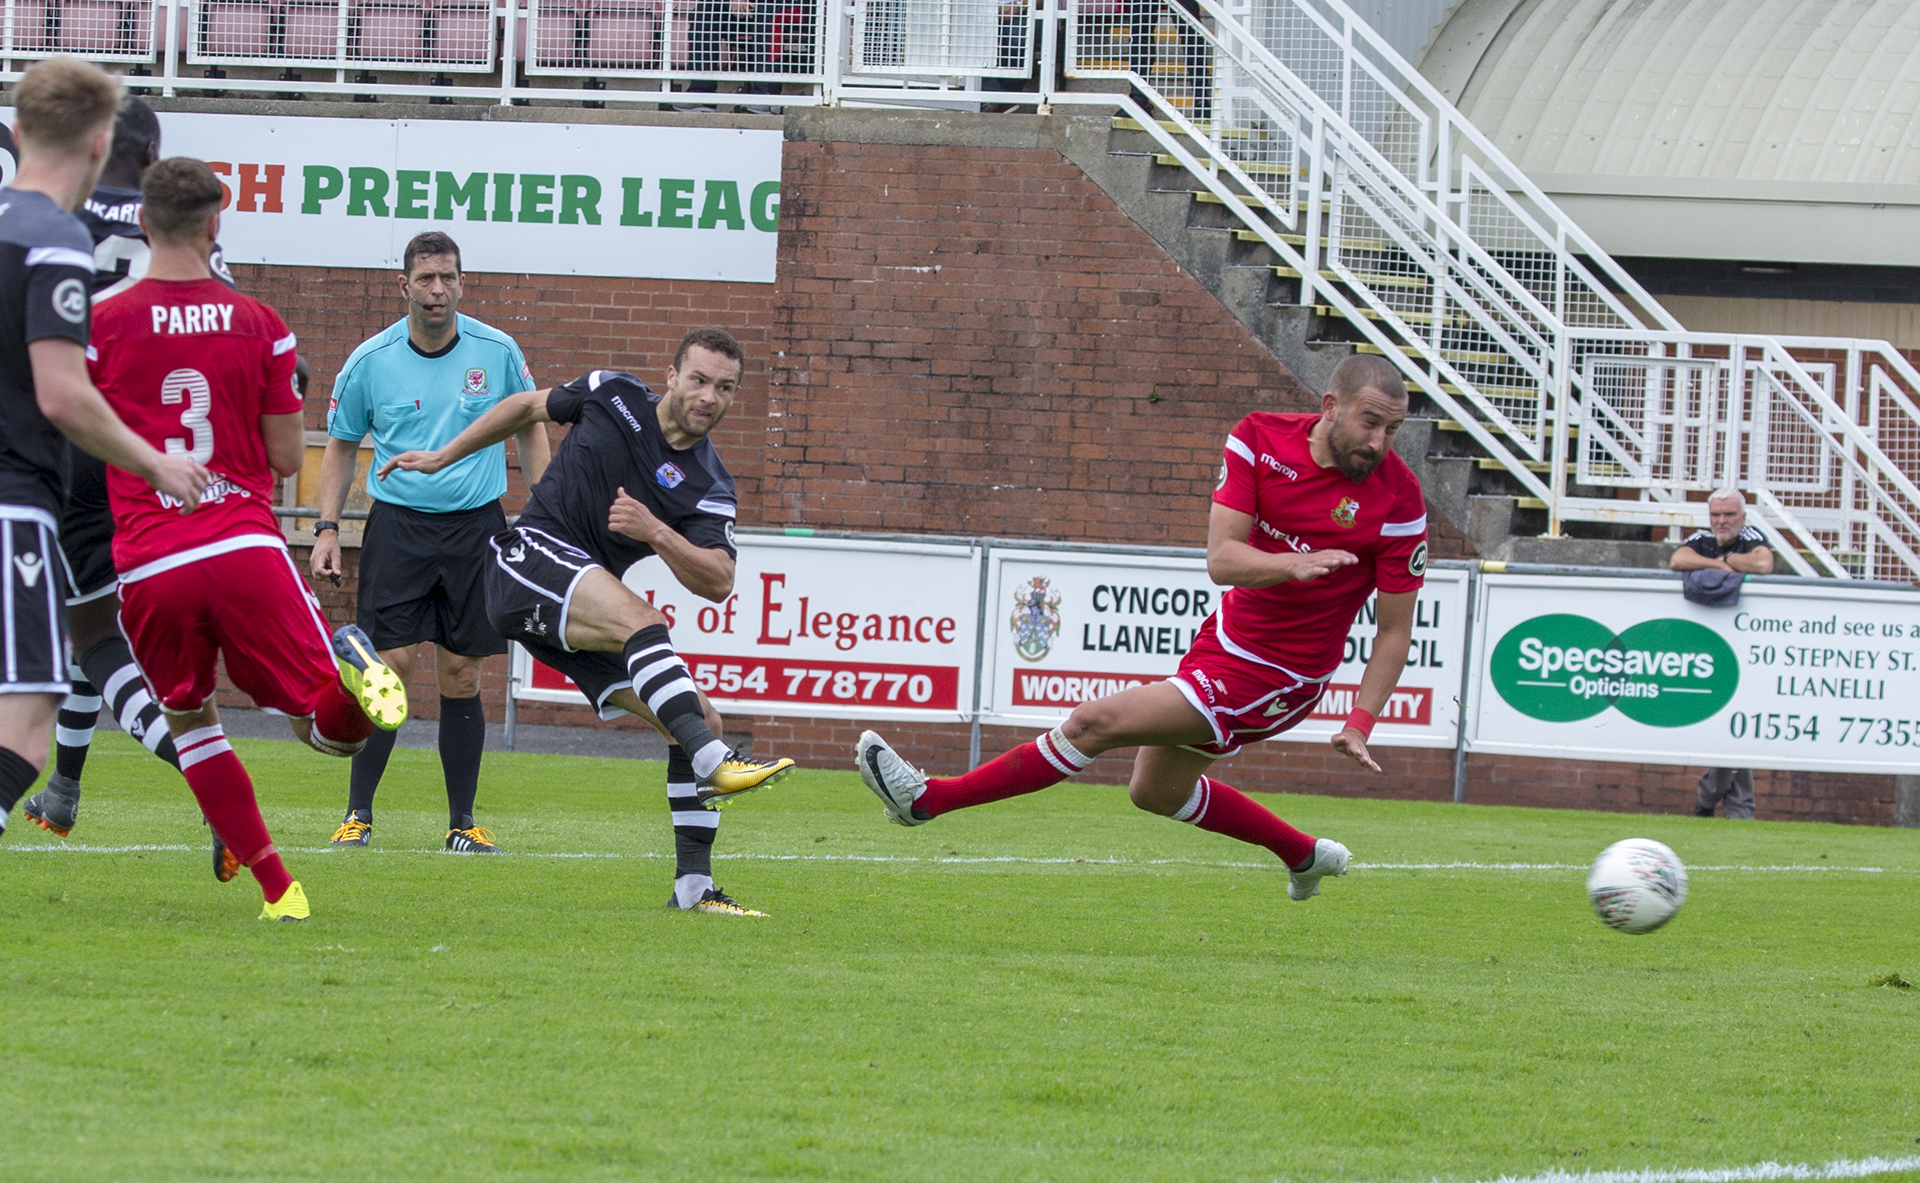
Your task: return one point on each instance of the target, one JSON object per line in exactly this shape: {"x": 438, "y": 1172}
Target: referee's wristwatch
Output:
{"x": 324, "y": 524}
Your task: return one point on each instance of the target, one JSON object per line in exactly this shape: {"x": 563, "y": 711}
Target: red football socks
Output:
{"x": 1226, "y": 810}
{"x": 225, "y": 792}
{"x": 339, "y": 719}
{"x": 1026, "y": 769}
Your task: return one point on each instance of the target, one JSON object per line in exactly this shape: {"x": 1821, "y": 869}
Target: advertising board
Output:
{"x": 1802, "y": 675}
{"x": 536, "y": 198}
{"x": 820, "y": 628}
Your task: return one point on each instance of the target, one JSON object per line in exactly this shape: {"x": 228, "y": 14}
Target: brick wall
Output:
{"x": 978, "y": 341}
{"x": 969, "y": 341}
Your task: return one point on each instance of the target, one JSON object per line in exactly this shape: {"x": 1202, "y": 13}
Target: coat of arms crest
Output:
{"x": 1035, "y": 619}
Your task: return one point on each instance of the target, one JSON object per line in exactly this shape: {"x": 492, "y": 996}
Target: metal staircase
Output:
{"x": 1392, "y": 224}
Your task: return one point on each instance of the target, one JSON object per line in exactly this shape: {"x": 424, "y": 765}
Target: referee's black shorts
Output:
{"x": 420, "y": 578}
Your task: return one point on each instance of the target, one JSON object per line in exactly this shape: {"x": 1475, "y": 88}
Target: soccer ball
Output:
{"x": 1637, "y": 885}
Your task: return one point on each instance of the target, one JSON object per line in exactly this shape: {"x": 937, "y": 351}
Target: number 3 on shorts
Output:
{"x": 190, "y": 387}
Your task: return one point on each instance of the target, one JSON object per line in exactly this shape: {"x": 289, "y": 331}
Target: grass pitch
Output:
{"x": 1055, "y": 988}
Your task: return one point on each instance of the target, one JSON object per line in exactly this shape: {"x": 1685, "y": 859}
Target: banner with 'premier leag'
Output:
{"x": 1795, "y": 676}
{"x": 1065, "y": 627}
{"x": 536, "y": 198}
{"x": 818, "y": 628}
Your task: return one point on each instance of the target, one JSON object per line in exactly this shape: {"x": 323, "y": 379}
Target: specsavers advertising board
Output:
{"x": 1064, "y": 627}
{"x": 818, "y": 628}
{"x": 1795, "y": 676}
{"x": 536, "y": 198}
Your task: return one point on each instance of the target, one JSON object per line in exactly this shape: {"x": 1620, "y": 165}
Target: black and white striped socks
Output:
{"x": 110, "y": 666}
{"x": 660, "y": 680}
{"x": 73, "y": 725}
{"x": 694, "y": 828}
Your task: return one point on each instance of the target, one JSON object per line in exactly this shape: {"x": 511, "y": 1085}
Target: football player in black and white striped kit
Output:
{"x": 636, "y": 476}
{"x": 65, "y": 112}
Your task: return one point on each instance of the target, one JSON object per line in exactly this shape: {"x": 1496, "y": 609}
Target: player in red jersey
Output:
{"x": 196, "y": 368}
{"x": 1312, "y": 514}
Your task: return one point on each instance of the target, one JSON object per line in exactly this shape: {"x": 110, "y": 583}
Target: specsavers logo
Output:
{"x": 1664, "y": 673}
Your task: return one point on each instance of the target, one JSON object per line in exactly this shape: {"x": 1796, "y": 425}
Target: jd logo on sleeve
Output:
{"x": 1664, "y": 673}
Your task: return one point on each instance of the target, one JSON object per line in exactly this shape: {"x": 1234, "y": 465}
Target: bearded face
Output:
{"x": 1361, "y": 430}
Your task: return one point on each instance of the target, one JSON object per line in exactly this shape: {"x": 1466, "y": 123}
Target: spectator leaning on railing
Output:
{"x": 1714, "y": 562}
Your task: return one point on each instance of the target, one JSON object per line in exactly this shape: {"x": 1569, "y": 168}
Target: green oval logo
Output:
{"x": 1664, "y": 673}
{"x": 1530, "y": 666}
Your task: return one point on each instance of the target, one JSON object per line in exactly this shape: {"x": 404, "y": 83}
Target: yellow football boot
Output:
{"x": 736, "y": 777}
{"x": 369, "y": 679}
{"x": 291, "y": 906}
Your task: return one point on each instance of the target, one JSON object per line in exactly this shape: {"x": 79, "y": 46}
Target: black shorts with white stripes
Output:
{"x": 33, "y": 603}
{"x": 529, "y": 587}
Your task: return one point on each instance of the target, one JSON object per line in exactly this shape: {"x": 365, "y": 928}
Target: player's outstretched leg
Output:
{"x": 1173, "y": 782}
{"x": 913, "y": 798}
{"x": 695, "y": 825}
{"x": 660, "y": 681}
{"x": 225, "y": 792}
{"x": 1157, "y": 713}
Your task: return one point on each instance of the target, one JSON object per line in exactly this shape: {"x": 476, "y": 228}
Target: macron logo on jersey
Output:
{"x": 627, "y": 415}
{"x": 175, "y": 319}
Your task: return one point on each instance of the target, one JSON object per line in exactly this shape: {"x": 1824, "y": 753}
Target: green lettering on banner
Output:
{"x": 580, "y": 198}
{"x": 765, "y": 206}
{"x": 472, "y": 194}
{"x": 722, "y": 205}
{"x": 410, "y": 194}
{"x": 676, "y": 204}
{"x": 503, "y": 197}
{"x": 366, "y": 190}
{"x": 536, "y": 194}
{"x": 323, "y": 184}
{"x": 630, "y": 214}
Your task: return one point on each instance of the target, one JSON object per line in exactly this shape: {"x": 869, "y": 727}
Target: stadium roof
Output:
{"x": 1721, "y": 129}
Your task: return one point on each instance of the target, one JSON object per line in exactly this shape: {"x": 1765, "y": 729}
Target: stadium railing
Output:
{"x": 1386, "y": 205}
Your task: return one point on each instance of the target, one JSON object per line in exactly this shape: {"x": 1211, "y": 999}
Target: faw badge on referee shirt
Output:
{"x": 476, "y": 381}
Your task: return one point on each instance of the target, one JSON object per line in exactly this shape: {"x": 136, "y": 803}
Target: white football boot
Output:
{"x": 897, "y": 783}
{"x": 1329, "y": 858}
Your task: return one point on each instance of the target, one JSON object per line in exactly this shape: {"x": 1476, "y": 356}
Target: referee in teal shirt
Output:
{"x": 416, "y": 386}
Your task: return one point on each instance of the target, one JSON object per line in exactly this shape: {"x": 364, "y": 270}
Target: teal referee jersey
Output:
{"x": 413, "y": 400}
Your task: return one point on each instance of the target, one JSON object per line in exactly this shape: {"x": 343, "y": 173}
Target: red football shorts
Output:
{"x": 1245, "y": 701}
{"x": 249, "y": 606}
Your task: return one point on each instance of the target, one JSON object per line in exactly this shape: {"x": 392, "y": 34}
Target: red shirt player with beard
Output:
{"x": 196, "y": 368}
{"x": 1312, "y": 514}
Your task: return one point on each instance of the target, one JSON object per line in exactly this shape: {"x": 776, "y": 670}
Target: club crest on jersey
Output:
{"x": 1345, "y": 513}
{"x": 668, "y": 475}
{"x": 1036, "y": 619}
{"x": 476, "y": 382}
{"x": 70, "y": 300}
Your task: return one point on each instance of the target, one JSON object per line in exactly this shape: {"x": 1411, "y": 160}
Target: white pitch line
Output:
{"x": 944, "y": 860}
{"x": 1840, "y": 1168}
